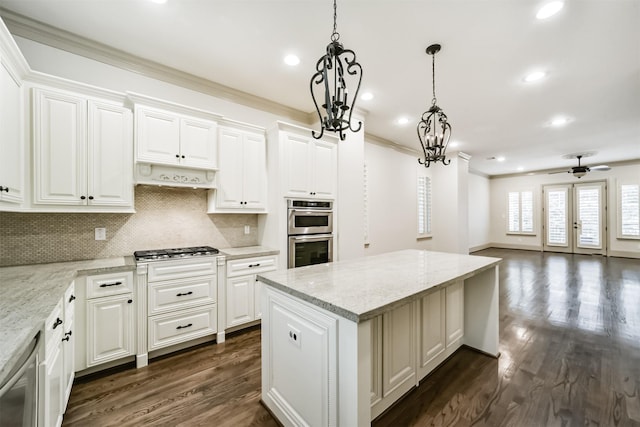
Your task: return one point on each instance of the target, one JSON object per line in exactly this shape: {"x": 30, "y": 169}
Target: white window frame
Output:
{"x": 621, "y": 234}
{"x": 519, "y": 231}
{"x": 424, "y": 212}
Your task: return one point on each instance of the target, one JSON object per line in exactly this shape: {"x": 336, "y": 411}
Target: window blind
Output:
{"x": 630, "y": 210}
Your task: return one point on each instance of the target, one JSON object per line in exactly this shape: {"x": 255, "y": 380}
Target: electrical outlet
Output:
{"x": 247, "y": 229}
{"x": 101, "y": 233}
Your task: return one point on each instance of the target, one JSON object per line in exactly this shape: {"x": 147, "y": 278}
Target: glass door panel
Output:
{"x": 557, "y": 212}
{"x": 589, "y": 218}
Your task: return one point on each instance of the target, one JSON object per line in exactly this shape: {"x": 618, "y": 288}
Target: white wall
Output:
{"x": 501, "y": 186}
{"x": 479, "y": 212}
{"x": 392, "y": 204}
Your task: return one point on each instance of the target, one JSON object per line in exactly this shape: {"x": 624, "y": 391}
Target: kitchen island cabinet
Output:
{"x": 393, "y": 317}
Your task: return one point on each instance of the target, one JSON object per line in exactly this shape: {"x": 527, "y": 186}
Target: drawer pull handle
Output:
{"x": 185, "y": 326}
{"x": 184, "y": 294}
{"x": 254, "y": 265}
{"x": 57, "y": 323}
{"x": 67, "y": 336}
{"x": 104, "y": 285}
{"x": 72, "y": 297}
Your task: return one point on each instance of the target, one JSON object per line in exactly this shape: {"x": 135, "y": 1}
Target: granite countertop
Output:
{"x": 28, "y": 295}
{"x": 363, "y": 288}
{"x": 247, "y": 252}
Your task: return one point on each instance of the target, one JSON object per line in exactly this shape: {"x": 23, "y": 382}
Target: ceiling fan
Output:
{"x": 580, "y": 170}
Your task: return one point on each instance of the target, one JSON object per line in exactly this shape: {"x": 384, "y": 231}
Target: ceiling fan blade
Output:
{"x": 600, "y": 168}
{"x": 551, "y": 173}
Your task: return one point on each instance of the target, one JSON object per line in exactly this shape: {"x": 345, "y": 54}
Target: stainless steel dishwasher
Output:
{"x": 18, "y": 394}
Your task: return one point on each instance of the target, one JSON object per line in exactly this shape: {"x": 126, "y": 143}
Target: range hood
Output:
{"x": 174, "y": 176}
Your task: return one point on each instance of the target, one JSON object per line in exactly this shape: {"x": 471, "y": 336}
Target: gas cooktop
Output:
{"x": 174, "y": 253}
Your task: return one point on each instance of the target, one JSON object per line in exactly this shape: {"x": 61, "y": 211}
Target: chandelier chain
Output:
{"x": 335, "y": 35}
{"x": 433, "y": 78}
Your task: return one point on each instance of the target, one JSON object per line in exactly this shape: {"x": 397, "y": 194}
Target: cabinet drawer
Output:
{"x": 53, "y": 328}
{"x": 69, "y": 304}
{"x": 239, "y": 267}
{"x": 177, "y": 295}
{"x": 178, "y": 269}
{"x": 173, "y": 328}
{"x": 109, "y": 284}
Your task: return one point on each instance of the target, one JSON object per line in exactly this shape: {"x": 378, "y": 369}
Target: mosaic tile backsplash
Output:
{"x": 165, "y": 218}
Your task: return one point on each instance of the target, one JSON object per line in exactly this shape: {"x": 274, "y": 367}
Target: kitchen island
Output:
{"x": 341, "y": 342}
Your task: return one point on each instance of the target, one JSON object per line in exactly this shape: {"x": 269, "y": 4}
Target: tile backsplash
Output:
{"x": 165, "y": 218}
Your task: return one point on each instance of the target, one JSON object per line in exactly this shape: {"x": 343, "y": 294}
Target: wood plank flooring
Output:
{"x": 570, "y": 356}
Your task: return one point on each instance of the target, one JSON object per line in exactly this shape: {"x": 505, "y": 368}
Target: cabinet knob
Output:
{"x": 82, "y": 197}
{"x": 183, "y": 156}
{"x": 177, "y": 156}
{"x": 129, "y": 301}
{"x": 57, "y": 323}
{"x": 90, "y": 197}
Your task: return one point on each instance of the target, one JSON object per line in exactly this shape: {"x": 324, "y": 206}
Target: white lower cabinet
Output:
{"x": 105, "y": 319}
{"x": 181, "y": 301}
{"x": 410, "y": 341}
{"x": 243, "y": 291}
{"x": 56, "y": 369}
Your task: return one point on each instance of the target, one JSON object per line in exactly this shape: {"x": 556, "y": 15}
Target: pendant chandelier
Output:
{"x": 333, "y": 70}
{"x": 434, "y": 130}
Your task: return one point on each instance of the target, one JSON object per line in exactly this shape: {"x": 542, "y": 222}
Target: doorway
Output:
{"x": 575, "y": 218}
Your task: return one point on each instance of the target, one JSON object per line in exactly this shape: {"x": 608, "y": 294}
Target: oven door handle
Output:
{"x": 311, "y": 237}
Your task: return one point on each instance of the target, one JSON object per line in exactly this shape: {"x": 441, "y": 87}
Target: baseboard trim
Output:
{"x": 624, "y": 254}
{"x": 479, "y": 248}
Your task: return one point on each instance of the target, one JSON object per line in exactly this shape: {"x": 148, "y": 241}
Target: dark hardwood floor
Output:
{"x": 570, "y": 356}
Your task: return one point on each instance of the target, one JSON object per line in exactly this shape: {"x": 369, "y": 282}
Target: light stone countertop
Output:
{"x": 247, "y": 252}
{"x": 363, "y": 288}
{"x": 28, "y": 295}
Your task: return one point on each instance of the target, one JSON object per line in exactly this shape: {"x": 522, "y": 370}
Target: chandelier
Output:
{"x": 333, "y": 70}
{"x": 433, "y": 128}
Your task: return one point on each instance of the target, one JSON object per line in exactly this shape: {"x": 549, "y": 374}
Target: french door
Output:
{"x": 575, "y": 218}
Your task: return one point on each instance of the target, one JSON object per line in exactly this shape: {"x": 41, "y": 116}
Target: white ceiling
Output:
{"x": 590, "y": 50}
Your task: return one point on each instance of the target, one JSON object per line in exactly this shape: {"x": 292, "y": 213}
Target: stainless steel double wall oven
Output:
{"x": 310, "y": 231}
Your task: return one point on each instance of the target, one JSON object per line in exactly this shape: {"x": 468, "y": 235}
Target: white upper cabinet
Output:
{"x": 310, "y": 167}
{"x": 242, "y": 178}
{"x": 170, "y": 138}
{"x": 12, "y": 139}
{"x": 82, "y": 151}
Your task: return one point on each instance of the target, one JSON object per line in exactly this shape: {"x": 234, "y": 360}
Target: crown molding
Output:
{"x": 556, "y": 170}
{"x": 22, "y": 26}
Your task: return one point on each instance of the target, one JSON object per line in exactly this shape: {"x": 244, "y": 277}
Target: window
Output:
{"x": 424, "y": 206}
{"x": 629, "y": 211}
{"x": 520, "y": 212}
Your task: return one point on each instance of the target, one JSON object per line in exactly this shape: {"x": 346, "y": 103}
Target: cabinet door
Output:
{"x": 454, "y": 312}
{"x": 110, "y": 329}
{"x": 59, "y": 148}
{"x": 297, "y": 179}
{"x": 254, "y": 168}
{"x": 230, "y": 175}
{"x": 11, "y": 137}
{"x": 324, "y": 169}
{"x": 157, "y": 136}
{"x": 257, "y": 301}
{"x": 240, "y": 295}
{"x": 198, "y": 143}
{"x": 110, "y": 155}
{"x": 399, "y": 349}
{"x": 432, "y": 327}
{"x": 68, "y": 345}
{"x": 53, "y": 387}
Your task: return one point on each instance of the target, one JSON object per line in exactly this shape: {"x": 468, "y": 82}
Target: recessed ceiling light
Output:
{"x": 454, "y": 144}
{"x": 500, "y": 158}
{"x": 559, "y": 121}
{"x": 403, "y": 121}
{"x": 366, "y": 96}
{"x": 549, "y": 9}
{"x": 534, "y": 76}
{"x": 291, "y": 60}
{"x": 520, "y": 168}
{"x": 158, "y": 1}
